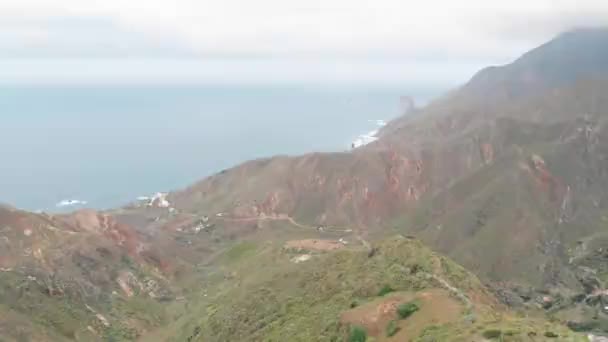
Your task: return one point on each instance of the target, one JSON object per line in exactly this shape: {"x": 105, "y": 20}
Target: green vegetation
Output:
{"x": 492, "y": 333}
{"x": 392, "y": 328}
{"x": 357, "y": 334}
{"x": 239, "y": 251}
{"x": 551, "y": 334}
{"x": 281, "y": 301}
{"x": 508, "y": 329}
{"x": 304, "y": 302}
{"x": 386, "y": 289}
{"x": 312, "y": 301}
{"x": 81, "y": 299}
{"x": 407, "y": 309}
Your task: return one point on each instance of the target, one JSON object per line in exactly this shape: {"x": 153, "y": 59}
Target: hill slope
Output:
{"x": 325, "y": 297}
{"x": 77, "y": 277}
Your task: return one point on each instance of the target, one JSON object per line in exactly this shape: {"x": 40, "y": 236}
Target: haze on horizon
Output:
{"x": 274, "y": 41}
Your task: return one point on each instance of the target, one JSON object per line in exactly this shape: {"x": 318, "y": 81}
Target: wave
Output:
{"x": 70, "y": 203}
{"x": 365, "y": 139}
{"x": 369, "y": 137}
{"x": 379, "y": 123}
{"x": 159, "y": 199}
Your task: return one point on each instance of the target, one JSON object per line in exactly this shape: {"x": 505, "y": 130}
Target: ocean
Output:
{"x": 65, "y": 147}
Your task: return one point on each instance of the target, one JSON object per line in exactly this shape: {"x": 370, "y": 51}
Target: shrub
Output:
{"x": 357, "y": 334}
{"x": 385, "y": 290}
{"x": 392, "y": 328}
{"x": 492, "y": 333}
{"x": 407, "y": 309}
{"x": 551, "y": 334}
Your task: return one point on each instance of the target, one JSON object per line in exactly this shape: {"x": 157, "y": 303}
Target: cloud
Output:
{"x": 236, "y": 71}
{"x": 76, "y": 37}
{"x": 540, "y": 24}
{"x": 430, "y": 31}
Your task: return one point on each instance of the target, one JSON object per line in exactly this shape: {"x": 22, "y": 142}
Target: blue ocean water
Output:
{"x": 107, "y": 145}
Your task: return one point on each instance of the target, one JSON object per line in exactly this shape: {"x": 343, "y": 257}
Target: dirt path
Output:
{"x": 281, "y": 218}
{"x": 455, "y": 291}
{"x": 365, "y": 243}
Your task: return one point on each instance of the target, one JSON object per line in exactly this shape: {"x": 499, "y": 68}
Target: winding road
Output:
{"x": 280, "y": 218}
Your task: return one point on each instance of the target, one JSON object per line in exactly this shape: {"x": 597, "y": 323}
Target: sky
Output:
{"x": 423, "y": 42}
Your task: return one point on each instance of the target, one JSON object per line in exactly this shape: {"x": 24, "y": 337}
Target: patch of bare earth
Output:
{"x": 436, "y": 307}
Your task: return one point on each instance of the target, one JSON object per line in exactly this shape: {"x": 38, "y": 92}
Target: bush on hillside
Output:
{"x": 357, "y": 334}
{"x": 392, "y": 328}
{"x": 407, "y": 309}
{"x": 492, "y": 333}
{"x": 385, "y": 290}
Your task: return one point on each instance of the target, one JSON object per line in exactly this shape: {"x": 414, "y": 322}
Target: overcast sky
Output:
{"x": 384, "y": 41}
